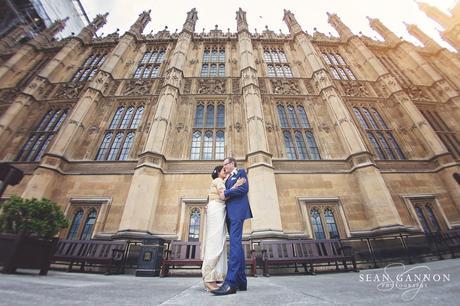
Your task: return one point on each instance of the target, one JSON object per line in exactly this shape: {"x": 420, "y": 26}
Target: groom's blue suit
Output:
{"x": 238, "y": 210}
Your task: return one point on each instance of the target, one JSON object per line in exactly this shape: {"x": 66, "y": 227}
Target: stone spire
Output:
{"x": 88, "y": 32}
{"x": 380, "y": 28}
{"x": 47, "y": 35}
{"x": 339, "y": 26}
{"x": 190, "y": 22}
{"x": 291, "y": 22}
{"x": 242, "y": 24}
{"x": 138, "y": 27}
{"x": 427, "y": 41}
{"x": 436, "y": 14}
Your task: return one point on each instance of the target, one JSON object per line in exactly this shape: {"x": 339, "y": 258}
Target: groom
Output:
{"x": 238, "y": 210}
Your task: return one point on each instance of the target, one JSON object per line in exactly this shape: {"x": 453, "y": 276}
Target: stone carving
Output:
{"x": 285, "y": 87}
{"x": 137, "y": 87}
{"x": 262, "y": 86}
{"x": 238, "y": 127}
{"x": 235, "y": 86}
{"x": 416, "y": 93}
{"x": 355, "y": 89}
{"x": 69, "y": 90}
{"x": 211, "y": 86}
{"x": 187, "y": 86}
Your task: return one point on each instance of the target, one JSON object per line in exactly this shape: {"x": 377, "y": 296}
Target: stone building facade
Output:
{"x": 341, "y": 136}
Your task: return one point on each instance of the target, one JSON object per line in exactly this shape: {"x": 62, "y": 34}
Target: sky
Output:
{"x": 261, "y": 13}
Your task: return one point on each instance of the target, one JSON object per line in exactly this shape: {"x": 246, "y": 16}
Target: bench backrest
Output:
{"x": 185, "y": 250}
{"x": 296, "y": 249}
{"x": 89, "y": 249}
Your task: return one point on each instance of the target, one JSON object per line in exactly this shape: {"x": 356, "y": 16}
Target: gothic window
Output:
{"x": 149, "y": 66}
{"x": 380, "y": 136}
{"x": 277, "y": 63}
{"x": 90, "y": 67}
{"x": 389, "y": 64}
{"x": 299, "y": 141}
{"x": 89, "y": 225}
{"x": 427, "y": 214}
{"x": 337, "y": 65}
{"x": 208, "y": 135}
{"x": 119, "y": 137}
{"x": 84, "y": 216}
{"x": 324, "y": 220}
{"x": 40, "y": 138}
{"x": 75, "y": 224}
{"x": 446, "y": 134}
{"x": 213, "y": 62}
{"x": 194, "y": 225}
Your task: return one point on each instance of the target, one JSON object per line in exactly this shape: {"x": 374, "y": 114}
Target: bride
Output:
{"x": 214, "y": 267}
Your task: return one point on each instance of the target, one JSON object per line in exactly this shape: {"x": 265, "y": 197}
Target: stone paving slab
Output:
{"x": 439, "y": 284}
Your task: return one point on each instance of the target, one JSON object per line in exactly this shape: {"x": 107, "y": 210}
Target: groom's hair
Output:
{"x": 232, "y": 160}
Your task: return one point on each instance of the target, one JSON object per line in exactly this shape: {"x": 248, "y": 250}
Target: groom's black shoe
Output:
{"x": 242, "y": 287}
{"x": 224, "y": 290}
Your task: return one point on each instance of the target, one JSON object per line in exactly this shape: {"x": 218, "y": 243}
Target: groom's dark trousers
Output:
{"x": 238, "y": 210}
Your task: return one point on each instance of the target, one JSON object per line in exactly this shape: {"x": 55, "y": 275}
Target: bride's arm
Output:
{"x": 238, "y": 183}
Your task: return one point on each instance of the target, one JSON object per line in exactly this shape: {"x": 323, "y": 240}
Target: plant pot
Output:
{"x": 17, "y": 251}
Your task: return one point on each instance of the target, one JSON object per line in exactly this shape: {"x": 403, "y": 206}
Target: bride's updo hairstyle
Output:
{"x": 215, "y": 173}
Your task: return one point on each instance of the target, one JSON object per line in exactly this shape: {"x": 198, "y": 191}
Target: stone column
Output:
{"x": 75, "y": 125}
{"x": 8, "y": 124}
{"x": 386, "y": 80}
{"x": 450, "y": 23}
{"x": 12, "y": 38}
{"x": 375, "y": 196}
{"x": 263, "y": 196}
{"x": 30, "y": 49}
{"x": 441, "y": 53}
{"x": 139, "y": 214}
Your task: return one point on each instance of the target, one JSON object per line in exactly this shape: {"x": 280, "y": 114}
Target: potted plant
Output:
{"x": 27, "y": 231}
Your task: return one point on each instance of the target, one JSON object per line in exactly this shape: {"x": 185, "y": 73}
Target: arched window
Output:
{"x": 298, "y": 128}
{"x": 194, "y": 225}
{"x": 196, "y": 145}
{"x": 89, "y": 67}
{"x": 116, "y": 119}
{"x": 199, "y": 114}
{"x": 104, "y": 146}
{"x": 289, "y": 146}
{"x": 123, "y": 125}
{"x": 207, "y": 145}
{"x": 39, "y": 139}
{"x": 379, "y": 134}
{"x": 301, "y": 148}
{"x": 210, "y": 116}
{"x": 127, "y": 146}
{"x": 213, "y": 62}
{"x": 149, "y": 65}
{"x": 331, "y": 224}
{"x": 282, "y": 116}
{"x": 89, "y": 225}
{"x": 317, "y": 224}
{"x": 208, "y": 141}
{"x": 75, "y": 225}
{"x": 277, "y": 63}
{"x": 446, "y": 133}
{"x": 337, "y": 65}
{"x": 303, "y": 117}
{"x": 220, "y": 116}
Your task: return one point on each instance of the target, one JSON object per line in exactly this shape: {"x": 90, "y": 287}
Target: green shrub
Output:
{"x": 31, "y": 217}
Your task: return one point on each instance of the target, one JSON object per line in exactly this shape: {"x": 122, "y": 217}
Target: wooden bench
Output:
{"x": 306, "y": 252}
{"x": 181, "y": 253}
{"x": 451, "y": 239}
{"x": 185, "y": 253}
{"x": 106, "y": 253}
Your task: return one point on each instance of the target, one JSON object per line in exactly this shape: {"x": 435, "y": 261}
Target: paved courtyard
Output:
{"x": 420, "y": 284}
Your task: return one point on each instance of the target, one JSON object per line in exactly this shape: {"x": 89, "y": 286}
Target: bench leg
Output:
{"x": 253, "y": 268}
{"x": 312, "y": 270}
{"x": 353, "y": 261}
{"x": 345, "y": 265}
{"x": 164, "y": 270}
{"x": 305, "y": 268}
{"x": 336, "y": 265}
{"x": 69, "y": 268}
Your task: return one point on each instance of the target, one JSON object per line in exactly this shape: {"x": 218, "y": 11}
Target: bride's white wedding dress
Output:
{"x": 214, "y": 267}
